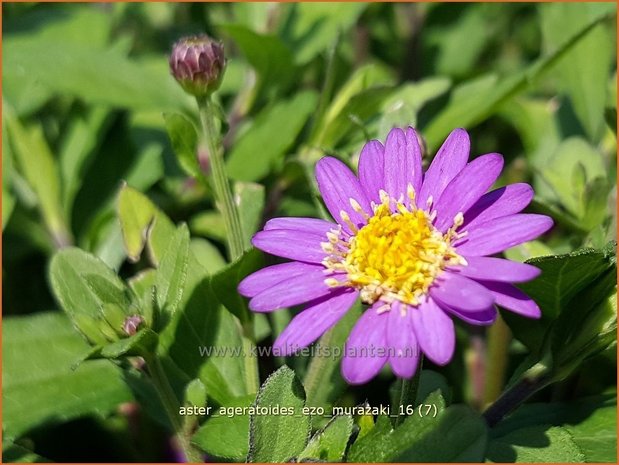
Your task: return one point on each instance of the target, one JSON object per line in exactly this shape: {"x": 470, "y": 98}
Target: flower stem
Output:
{"x": 221, "y": 186}
{"x": 408, "y": 393}
{"x": 234, "y": 232}
{"x": 171, "y": 405}
{"x": 252, "y": 379}
{"x": 513, "y": 397}
{"x": 499, "y": 337}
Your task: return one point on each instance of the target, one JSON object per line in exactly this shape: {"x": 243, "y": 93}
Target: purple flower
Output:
{"x": 413, "y": 246}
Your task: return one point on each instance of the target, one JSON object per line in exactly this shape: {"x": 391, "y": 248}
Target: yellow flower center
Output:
{"x": 397, "y": 255}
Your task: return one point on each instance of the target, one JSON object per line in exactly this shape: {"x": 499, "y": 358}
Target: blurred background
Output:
{"x": 86, "y": 88}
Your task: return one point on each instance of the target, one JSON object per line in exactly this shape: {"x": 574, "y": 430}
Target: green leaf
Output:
{"x": 207, "y": 255}
{"x": 269, "y": 137}
{"x": 573, "y": 157}
{"x": 8, "y": 200}
{"x": 267, "y": 54}
{"x": 225, "y": 282}
{"x": 210, "y": 224}
{"x": 360, "y": 95}
{"x": 596, "y": 436}
{"x": 535, "y": 444}
{"x": 470, "y": 27}
{"x": 314, "y": 27}
{"x": 277, "y": 438}
{"x": 467, "y": 109}
{"x": 455, "y": 434}
{"x": 39, "y": 386}
{"x": 142, "y": 223}
{"x": 83, "y": 136}
{"x": 82, "y": 283}
{"x": 184, "y": 140}
{"x": 172, "y": 272}
{"x": 592, "y": 426}
{"x": 35, "y": 161}
{"x": 80, "y": 24}
{"x": 203, "y": 340}
{"x": 584, "y": 70}
{"x": 226, "y": 433}
{"x": 250, "y": 199}
{"x": 563, "y": 277}
{"x": 141, "y": 343}
{"x": 102, "y": 76}
{"x": 400, "y": 109}
{"x": 595, "y": 203}
{"x": 195, "y": 393}
{"x": 15, "y": 453}
{"x": 586, "y": 326}
{"x": 329, "y": 444}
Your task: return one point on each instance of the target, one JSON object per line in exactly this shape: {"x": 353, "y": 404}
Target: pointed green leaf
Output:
{"x": 39, "y": 385}
{"x": 225, "y": 282}
{"x": 184, "y": 140}
{"x": 141, "y": 223}
{"x": 470, "y": 108}
{"x": 226, "y": 433}
{"x": 263, "y": 146}
{"x": 329, "y": 444}
{"x": 82, "y": 283}
{"x": 563, "y": 277}
{"x": 172, "y": 271}
{"x": 535, "y": 444}
{"x": 585, "y": 69}
{"x": 277, "y": 438}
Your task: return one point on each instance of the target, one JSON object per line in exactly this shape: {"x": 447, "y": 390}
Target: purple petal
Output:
{"x": 267, "y": 277}
{"x": 500, "y": 234}
{"x": 450, "y": 159}
{"x": 435, "y": 332}
{"x": 497, "y": 269}
{"x": 481, "y": 318}
{"x": 293, "y": 291}
{"x": 294, "y": 245}
{"x": 371, "y": 169}
{"x": 513, "y": 299}
{"x": 365, "y": 353}
{"x": 308, "y": 225}
{"x": 401, "y": 339}
{"x": 461, "y": 293}
{"x": 402, "y": 163}
{"x": 314, "y": 321}
{"x": 503, "y": 201}
{"x": 338, "y": 185}
{"x": 466, "y": 188}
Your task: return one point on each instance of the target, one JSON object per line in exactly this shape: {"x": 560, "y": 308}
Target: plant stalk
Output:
{"x": 229, "y": 210}
{"x": 513, "y": 397}
{"x": 252, "y": 379}
{"x": 221, "y": 186}
{"x": 499, "y": 338}
{"x": 171, "y": 405}
{"x": 408, "y": 392}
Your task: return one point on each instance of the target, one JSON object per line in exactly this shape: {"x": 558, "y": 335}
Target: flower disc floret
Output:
{"x": 396, "y": 255}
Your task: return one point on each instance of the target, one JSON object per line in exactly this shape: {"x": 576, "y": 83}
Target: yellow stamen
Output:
{"x": 396, "y": 256}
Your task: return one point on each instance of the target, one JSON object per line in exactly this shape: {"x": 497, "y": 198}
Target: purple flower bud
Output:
{"x": 132, "y": 324}
{"x": 198, "y": 64}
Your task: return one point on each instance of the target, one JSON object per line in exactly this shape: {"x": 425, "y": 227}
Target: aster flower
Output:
{"x": 414, "y": 247}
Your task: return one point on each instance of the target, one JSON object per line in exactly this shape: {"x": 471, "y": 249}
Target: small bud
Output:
{"x": 198, "y": 63}
{"x": 132, "y": 324}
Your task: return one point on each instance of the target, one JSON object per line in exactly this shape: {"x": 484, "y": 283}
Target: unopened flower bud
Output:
{"x": 198, "y": 63}
{"x": 132, "y": 324}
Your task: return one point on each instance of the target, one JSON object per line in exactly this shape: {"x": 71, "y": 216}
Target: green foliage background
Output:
{"x": 107, "y": 213}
